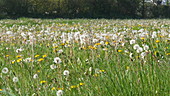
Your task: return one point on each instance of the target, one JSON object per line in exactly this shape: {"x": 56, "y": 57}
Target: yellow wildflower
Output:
{"x": 157, "y": 41}
{"x": 81, "y": 84}
{"x": 97, "y": 44}
{"x": 37, "y": 56}
{"x": 142, "y": 38}
{"x": 53, "y": 88}
{"x": 18, "y": 56}
{"x": 41, "y": 59}
{"x": 0, "y": 89}
{"x": 102, "y": 70}
{"x": 84, "y": 48}
{"x": 55, "y": 46}
{"x": 95, "y": 75}
{"x": 44, "y": 56}
{"x": 42, "y": 82}
{"x": 119, "y": 50}
{"x": 62, "y": 44}
{"x": 127, "y": 68}
{"x": 73, "y": 86}
{"x": 13, "y": 62}
{"x": 38, "y": 71}
{"x": 167, "y": 53}
{"x": 7, "y": 56}
{"x": 19, "y": 60}
{"x": 106, "y": 43}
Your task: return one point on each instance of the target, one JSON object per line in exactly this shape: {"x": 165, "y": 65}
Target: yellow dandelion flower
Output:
{"x": 41, "y": 59}
{"x": 42, "y": 82}
{"x": 119, "y": 50}
{"x": 18, "y": 56}
{"x": 106, "y": 43}
{"x": 168, "y": 54}
{"x": 0, "y": 89}
{"x": 55, "y": 46}
{"x": 95, "y": 75}
{"x": 93, "y": 47}
{"x": 142, "y": 38}
{"x": 62, "y": 44}
{"x": 81, "y": 84}
{"x": 13, "y": 62}
{"x": 7, "y": 56}
{"x": 84, "y": 48}
{"x": 157, "y": 41}
{"x": 19, "y": 60}
{"x": 101, "y": 70}
{"x": 37, "y": 56}
{"x": 44, "y": 56}
{"x": 73, "y": 86}
{"x": 156, "y": 53}
{"x": 97, "y": 44}
{"x": 38, "y": 71}
{"x": 127, "y": 68}
{"x": 53, "y": 88}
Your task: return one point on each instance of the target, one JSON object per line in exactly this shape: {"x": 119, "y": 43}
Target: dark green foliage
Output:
{"x": 82, "y": 9}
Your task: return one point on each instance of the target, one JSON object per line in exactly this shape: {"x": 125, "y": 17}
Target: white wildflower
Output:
{"x": 140, "y": 49}
{"x": 145, "y": 47}
{"x": 136, "y": 46}
{"x": 59, "y": 93}
{"x": 57, "y": 60}
{"x": 19, "y": 50}
{"x": 15, "y": 79}
{"x": 53, "y": 66}
{"x": 143, "y": 54}
{"x": 66, "y": 72}
{"x": 60, "y": 51}
{"x": 132, "y": 42}
{"x": 5, "y": 70}
{"x": 35, "y": 76}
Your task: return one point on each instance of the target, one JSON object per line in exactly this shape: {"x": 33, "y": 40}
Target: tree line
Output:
{"x": 83, "y": 9}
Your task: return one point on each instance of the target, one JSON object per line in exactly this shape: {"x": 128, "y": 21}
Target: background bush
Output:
{"x": 82, "y": 9}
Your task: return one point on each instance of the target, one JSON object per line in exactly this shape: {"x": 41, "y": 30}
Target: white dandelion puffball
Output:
{"x": 35, "y": 76}
{"x": 132, "y": 42}
{"x": 15, "y": 79}
{"x": 140, "y": 49}
{"x": 19, "y": 50}
{"x": 143, "y": 54}
{"x": 53, "y": 66}
{"x": 57, "y": 60}
{"x": 66, "y": 72}
{"x": 5, "y": 70}
{"x": 131, "y": 55}
{"x": 145, "y": 47}
{"x": 60, "y": 51}
{"x": 136, "y": 46}
{"x": 59, "y": 93}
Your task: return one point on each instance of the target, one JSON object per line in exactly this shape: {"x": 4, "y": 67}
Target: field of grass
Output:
{"x": 63, "y": 57}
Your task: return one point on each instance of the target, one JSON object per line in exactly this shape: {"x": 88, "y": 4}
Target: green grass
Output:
{"x": 93, "y": 71}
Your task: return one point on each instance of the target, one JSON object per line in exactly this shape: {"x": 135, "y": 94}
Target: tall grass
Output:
{"x": 96, "y": 68}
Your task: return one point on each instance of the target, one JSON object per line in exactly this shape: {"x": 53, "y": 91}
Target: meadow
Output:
{"x": 84, "y": 57}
